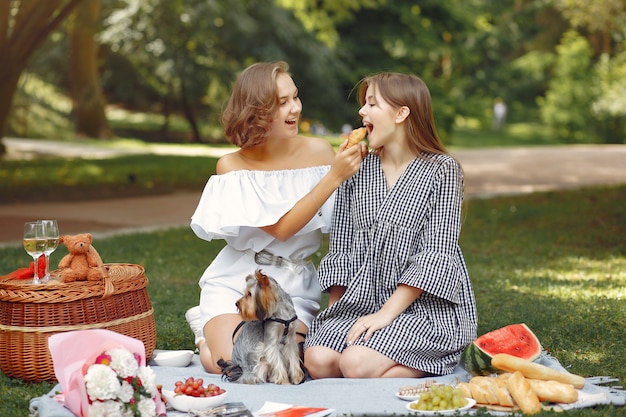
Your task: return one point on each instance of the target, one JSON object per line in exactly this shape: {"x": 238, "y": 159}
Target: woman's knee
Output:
{"x": 320, "y": 362}
{"x": 353, "y": 365}
{"x": 363, "y": 362}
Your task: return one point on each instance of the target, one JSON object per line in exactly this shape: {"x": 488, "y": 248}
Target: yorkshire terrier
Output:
{"x": 266, "y": 349}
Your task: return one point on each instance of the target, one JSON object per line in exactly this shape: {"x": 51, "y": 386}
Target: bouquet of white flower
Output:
{"x": 118, "y": 385}
{"x": 104, "y": 373}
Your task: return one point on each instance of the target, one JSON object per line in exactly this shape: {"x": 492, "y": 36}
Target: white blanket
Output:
{"x": 348, "y": 397}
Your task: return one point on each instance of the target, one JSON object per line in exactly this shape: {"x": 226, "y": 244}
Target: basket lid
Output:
{"x": 122, "y": 278}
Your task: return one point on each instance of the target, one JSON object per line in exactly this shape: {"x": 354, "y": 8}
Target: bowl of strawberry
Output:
{"x": 192, "y": 394}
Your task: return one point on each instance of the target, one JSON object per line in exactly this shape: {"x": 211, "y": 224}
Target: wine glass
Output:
{"x": 34, "y": 244}
{"x": 51, "y": 232}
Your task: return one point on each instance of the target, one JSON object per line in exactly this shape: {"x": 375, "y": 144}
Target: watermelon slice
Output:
{"x": 515, "y": 339}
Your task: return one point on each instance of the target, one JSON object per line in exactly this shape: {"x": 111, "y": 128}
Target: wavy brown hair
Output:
{"x": 253, "y": 103}
{"x": 408, "y": 90}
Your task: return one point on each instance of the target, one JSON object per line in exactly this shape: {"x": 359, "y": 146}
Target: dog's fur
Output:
{"x": 266, "y": 349}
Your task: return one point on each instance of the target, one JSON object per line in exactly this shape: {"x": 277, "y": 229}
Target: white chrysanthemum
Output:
{"x": 127, "y": 412}
{"x": 148, "y": 379}
{"x": 101, "y": 383}
{"x": 126, "y": 392}
{"x": 106, "y": 409}
{"x": 123, "y": 362}
{"x": 147, "y": 407}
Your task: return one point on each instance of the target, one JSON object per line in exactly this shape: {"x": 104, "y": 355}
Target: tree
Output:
{"x": 190, "y": 52}
{"x": 604, "y": 21}
{"x": 89, "y": 104}
{"x": 24, "y": 26}
{"x": 566, "y": 107}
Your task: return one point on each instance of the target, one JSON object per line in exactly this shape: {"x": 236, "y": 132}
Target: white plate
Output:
{"x": 470, "y": 403}
{"x": 187, "y": 402}
{"x": 408, "y": 397}
{"x": 173, "y": 358}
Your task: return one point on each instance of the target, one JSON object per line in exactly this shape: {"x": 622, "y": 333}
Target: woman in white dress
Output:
{"x": 401, "y": 302}
{"x": 270, "y": 200}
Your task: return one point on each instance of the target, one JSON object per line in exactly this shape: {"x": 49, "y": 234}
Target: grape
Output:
{"x": 440, "y": 397}
{"x": 195, "y": 388}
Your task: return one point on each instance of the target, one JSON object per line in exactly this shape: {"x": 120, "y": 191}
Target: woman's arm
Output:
{"x": 345, "y": 164}
{"x": 335, "y": 293}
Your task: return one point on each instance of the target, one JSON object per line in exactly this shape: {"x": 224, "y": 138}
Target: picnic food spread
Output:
{"x": 505, "y": 376}
{"x": 500, "y": 381}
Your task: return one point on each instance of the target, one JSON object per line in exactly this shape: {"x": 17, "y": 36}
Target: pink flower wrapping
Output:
{"x": 74, "y": 353}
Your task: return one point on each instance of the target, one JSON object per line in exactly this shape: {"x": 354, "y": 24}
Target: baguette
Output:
{"x": 524, "y": 396}
{"x": 356, "y": 136}
{"x": 480, "y": 394}
{"x": 554, "y": 391}
{"x": 503, "y": 394}
{"x": 496, "y": 393}
{"x": 502, "y": 378}
{"x": 465, "y": 387}
{"x": 484, "y": 383}
{"x": 510, "y": 363}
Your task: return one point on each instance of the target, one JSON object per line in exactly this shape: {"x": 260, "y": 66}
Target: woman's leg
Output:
{"x": 218, "y": 341}
{"x": 363, "y": 362}
{"x": 322, "y": 362}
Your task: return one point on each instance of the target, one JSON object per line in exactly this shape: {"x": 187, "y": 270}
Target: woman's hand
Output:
{"x": 399, "y": 301}
{"x": 347, "y": 161}
{"x": 367, "y": 325}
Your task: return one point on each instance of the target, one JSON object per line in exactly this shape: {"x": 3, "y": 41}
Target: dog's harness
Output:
{"x": 285, "y": 323}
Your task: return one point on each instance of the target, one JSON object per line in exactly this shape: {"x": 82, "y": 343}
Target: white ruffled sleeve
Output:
{"x": 244, "y": 199}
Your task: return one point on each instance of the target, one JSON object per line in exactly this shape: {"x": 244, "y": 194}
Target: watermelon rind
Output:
{"x": 515, "y": 339}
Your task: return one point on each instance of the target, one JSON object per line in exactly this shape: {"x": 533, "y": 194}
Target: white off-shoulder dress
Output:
{"x": 233, "y": 207}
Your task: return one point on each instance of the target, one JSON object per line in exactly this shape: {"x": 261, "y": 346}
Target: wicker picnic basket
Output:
{"x": 30, "y": 313}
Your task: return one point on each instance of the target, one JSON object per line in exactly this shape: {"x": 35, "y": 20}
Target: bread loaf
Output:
{"x": 553, "y": 391}
{"x": 510, "y": 363}
{"x": 523, "y": 395}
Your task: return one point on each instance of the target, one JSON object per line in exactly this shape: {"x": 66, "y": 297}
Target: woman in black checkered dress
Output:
{"x": 401, "y": 302}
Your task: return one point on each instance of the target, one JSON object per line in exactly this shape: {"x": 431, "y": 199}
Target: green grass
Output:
{"x": 555, "y": 261}
{"x": 77, "y": 178}
{"x": 467, "y": 133}
{"x": 87, "y": 178}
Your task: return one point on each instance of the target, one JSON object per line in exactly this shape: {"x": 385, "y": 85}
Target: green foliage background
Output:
{"x": 557, "y": 62}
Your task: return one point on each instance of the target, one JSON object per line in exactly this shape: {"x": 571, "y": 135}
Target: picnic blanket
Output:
{"x": 348, "y": 397}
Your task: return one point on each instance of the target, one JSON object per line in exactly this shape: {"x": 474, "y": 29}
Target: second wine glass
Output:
{"x": 51, "y": 232}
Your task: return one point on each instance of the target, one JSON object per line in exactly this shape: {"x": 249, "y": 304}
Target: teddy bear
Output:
{"x": 83, "y": 262}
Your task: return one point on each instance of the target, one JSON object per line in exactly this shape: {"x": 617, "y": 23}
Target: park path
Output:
{"x": 488, "y": 172}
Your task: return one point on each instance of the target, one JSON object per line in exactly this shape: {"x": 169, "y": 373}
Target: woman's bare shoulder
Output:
{"x": 229, "y": 162}
{"x": 318, "y": 149}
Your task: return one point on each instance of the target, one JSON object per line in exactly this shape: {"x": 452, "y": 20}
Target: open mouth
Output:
{"x": 292, "y": 122}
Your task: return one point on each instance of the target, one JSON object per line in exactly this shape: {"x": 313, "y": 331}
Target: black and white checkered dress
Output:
{"x": 408, "y": 234}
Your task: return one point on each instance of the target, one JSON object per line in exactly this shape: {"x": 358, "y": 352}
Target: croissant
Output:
{"x": 356, "y": 136}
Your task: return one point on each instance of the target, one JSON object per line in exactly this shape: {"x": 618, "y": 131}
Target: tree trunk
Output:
{"x": 188, "y": 111}
{"x": 89, "y": 104}
{"x": 24, "y": 26}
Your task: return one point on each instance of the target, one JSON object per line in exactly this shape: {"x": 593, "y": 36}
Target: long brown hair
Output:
{"x": 252, "y": 104}
{"x": 408, "y": 90}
